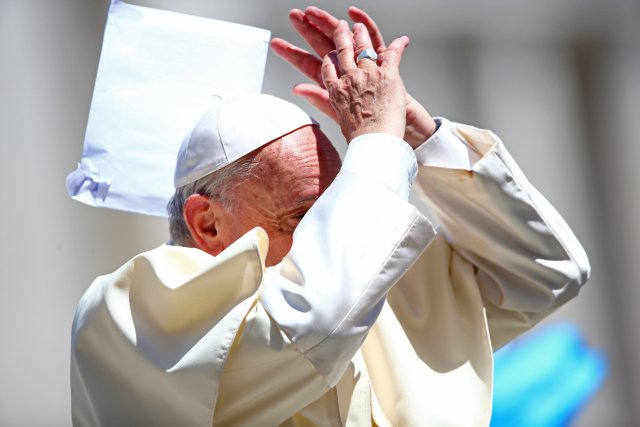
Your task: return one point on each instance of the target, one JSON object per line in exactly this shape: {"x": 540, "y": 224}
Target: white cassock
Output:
{"x": 177, "y": 337}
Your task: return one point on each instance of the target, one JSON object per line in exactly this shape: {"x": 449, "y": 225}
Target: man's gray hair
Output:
{"x": 216, "y": 185}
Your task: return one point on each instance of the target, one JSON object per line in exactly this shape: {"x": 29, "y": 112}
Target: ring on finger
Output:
{"x": 368, "y": 53}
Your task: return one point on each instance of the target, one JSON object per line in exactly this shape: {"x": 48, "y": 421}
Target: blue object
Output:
{"x": 544, "y": 379}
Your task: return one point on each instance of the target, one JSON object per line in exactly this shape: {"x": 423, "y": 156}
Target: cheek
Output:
{"x": 279, "y": 246}
{"x": 235, "y": 225}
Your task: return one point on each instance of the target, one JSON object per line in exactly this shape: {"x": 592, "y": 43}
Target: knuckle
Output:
{"x": 343, "y": 49}
{"x": 359, "y": 47}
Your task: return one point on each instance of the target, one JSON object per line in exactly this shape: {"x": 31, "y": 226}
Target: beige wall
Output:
{"x": 559, "y": 81}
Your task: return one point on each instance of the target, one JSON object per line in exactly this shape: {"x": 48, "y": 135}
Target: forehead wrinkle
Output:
{"x": 291, "y": 173}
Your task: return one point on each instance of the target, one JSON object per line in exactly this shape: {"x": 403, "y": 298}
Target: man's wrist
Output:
{"x": 420, "y": 125}
{"x": 382, "y": 158}
{"x": 445, "y": 149}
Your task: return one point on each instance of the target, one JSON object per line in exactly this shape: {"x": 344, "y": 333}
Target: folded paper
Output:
{"x": 158, "y": 72}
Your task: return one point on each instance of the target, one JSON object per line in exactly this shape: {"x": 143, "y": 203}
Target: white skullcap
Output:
{"x": 232, "y": 127}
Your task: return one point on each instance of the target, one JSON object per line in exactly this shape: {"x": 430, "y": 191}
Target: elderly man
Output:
{"x": 303, "y": 292}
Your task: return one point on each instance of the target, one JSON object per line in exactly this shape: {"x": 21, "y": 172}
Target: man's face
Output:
{"x": 292, "y": 173}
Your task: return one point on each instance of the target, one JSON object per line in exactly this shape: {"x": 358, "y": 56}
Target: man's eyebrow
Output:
{"x": 306, "y": 200}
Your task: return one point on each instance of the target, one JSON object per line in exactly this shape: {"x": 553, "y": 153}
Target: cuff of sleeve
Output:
{"x": 382, "y": 158}
{"x": 446, "y": 150}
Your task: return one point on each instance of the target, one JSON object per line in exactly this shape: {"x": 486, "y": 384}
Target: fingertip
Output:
{"x": 313, "y": 10}
{"x": 401, "y": 42}
{"x": 352, "y": 10}
{"x": 275, "y": 42}
{"x": 296, "y": 14}
{"x": 305, "y": 89}
{"x": 278, "y": 44}
{"x": 358, "y": 15}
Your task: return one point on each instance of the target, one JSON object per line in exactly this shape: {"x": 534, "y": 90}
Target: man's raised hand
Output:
{"x": 316, "y": 27}
{"x": 366, "y": 97}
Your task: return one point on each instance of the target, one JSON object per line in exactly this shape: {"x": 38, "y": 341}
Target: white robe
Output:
{"x": 177, "y": 337}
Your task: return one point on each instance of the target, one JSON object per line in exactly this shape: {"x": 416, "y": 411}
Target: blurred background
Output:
{"x": 558, "y": 80}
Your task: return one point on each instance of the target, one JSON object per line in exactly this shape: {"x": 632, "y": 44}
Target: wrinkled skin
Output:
{"x": 294, "y": 171}
{"x": 366, "y": 97}
{"x": 316, "y": 27}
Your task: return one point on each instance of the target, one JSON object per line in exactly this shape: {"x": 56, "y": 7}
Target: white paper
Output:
{"x": 158, "y": 71}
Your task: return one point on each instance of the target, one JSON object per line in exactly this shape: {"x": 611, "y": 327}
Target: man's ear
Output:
{"x": 203, "y": 216}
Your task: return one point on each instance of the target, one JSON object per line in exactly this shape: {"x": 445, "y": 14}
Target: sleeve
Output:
{"x": 316, "y": 306}
{"x": 527, "y": 261}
